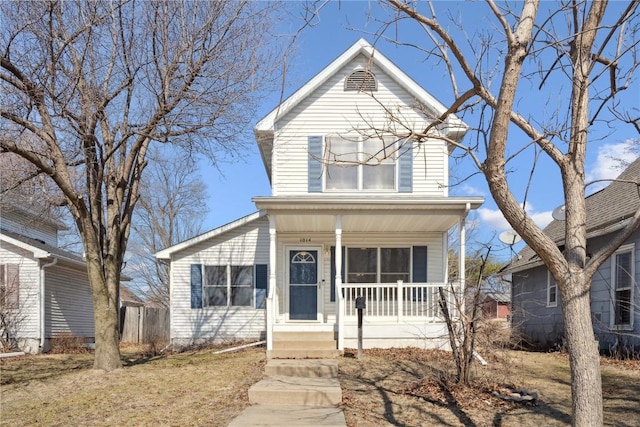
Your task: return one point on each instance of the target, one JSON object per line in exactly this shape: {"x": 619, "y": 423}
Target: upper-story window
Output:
{"x": 360, "y": 163}
{"x": 361, "y": 81}
{"x": 351, "y": 164}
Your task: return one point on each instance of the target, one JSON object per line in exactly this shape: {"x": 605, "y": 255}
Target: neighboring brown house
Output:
{"x": 496, "y": 305}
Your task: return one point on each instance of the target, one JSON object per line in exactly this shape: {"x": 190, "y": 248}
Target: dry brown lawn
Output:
{"x": 190, "y": 389}
{"x": 407, "y": 387}
{"x": 412, "y": 387}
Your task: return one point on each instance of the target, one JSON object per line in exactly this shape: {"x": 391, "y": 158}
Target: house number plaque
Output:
{"x": 305, "y": 239}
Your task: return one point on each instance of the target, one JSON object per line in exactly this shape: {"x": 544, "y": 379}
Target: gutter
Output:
{"x": 42, "y": 301}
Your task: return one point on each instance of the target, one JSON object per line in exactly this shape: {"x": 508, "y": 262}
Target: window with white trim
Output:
{"x": 378, "y": 265}
{"x": 360, "y": 163}
{"x": 228, "y": 285}
{"x": 9, "y": 286}
{"x": 552, "y": 291}
{"x": 622, "y": 284}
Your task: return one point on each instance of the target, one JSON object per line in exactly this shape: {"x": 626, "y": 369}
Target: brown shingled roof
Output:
{"x": 607, "y": 211}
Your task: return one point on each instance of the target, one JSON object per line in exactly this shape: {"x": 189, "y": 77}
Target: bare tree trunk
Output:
{"x": 105, "y": 315}
{"x": 584, "y": 357}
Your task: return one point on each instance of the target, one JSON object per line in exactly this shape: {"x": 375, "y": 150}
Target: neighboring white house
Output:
{"x": 44, "y": 290}
{"x": 335, "y": 184}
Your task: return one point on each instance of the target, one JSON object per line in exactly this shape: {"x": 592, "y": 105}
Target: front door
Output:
{"x": 303, "y": 284}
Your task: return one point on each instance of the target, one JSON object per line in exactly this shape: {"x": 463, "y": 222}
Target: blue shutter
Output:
{"x": 196, "y": 286}
{"x": 419, "y": 264}
{"x": 405, "y": 166}
{"x": 315, "y": 166}
{"x": 333, "y": 271}
{"x": 262, "y": 285}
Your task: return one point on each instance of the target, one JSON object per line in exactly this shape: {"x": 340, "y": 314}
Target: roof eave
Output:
{"x": 373, "y": 202}
{"x": 37, "y": 252}
{"x": 167, "y": 253}
{"x": 265, "y": 146}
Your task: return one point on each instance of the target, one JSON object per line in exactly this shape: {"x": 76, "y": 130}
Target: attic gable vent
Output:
{"x": 361, "y": 81}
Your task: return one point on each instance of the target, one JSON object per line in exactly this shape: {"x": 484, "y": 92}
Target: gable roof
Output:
{"x": 500, "y": 297}
{"x": 129, "y": 298}
{"x": 168, "y": 252}
{"x": 264, "y": 130}
{"x": 38, "y": 248}
{"x": 608, "y": 210}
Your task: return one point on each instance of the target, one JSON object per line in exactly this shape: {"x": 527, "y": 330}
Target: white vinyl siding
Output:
{"x": 246, "y": 245}
{"x": 19, "y": 224}
{"x": 26, "y": 315}
{"x": 68, "y": 303}
{"x": 331, "y": 110}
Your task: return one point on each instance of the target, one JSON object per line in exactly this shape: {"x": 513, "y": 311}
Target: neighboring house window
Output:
{"x": 622, "y": 287}
{"x": 378, "y": 265}
{"x": 9, "y": 286}
{"x": 552, "y": 291}
{"x": 228, "y": 286}
{"x": 360, "y": 164}
{"x": 360, "y": 81}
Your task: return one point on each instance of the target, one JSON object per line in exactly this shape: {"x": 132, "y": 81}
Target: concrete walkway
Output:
{"x": 295, "y": 393}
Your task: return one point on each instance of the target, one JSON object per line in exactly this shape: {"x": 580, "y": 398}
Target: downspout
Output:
{"x": 43, "y": 301}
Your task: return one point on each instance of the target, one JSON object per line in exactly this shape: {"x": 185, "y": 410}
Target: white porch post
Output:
{"x": 463, "y": 250}
{"x": 339, "y": 297}
{"x": 271, "y": 303}
{"x": 400, "y": 300}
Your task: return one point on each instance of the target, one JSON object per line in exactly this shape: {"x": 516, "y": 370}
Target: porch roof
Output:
{"x": 371, "y": 213}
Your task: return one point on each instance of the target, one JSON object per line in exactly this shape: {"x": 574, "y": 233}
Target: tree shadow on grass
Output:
{"x": 414, "y": 392}
{"x": 390, "y": 395}
{"x": 540, "y": 408}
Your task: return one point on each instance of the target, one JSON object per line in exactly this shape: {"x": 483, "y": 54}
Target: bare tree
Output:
{"x": 94, "y": 84}
{"x": 171, "y": 209}
{"x": 581, "y": 56}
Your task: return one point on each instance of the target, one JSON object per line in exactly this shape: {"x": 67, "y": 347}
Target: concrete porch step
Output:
{"x": 288, "y": 415}
{"x": 282, "y": 390}
{"x": 304, "y": 336}
{"x": 302, "y": 354}
{"x": 308, "y": 368}
{"x": 305, "y": 344}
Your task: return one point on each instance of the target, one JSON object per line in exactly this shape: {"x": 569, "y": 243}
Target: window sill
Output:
{"x": 621, "y": 328}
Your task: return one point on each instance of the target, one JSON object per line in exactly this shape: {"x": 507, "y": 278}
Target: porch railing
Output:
{"x": 400, "y": 301}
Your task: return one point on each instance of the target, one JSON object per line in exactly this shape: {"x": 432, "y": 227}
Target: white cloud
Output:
{"x": 467, "y": 190}
{"x": 610, "y": 162}
{"x": 494, "y": 220}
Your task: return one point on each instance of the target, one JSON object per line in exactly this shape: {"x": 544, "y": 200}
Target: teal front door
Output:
{"x": 303, "y": 284}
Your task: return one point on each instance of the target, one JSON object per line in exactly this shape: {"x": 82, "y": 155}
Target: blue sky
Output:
{"x": 339, "y": 25}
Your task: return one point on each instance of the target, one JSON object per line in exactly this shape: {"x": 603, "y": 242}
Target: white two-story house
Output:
{"x": 357, "y": 209}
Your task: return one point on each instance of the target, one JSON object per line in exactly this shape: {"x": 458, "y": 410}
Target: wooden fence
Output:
{"x": 144, "y": 325}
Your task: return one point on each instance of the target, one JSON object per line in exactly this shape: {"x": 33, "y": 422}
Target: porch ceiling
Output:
{"x": 366, "y": 214}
